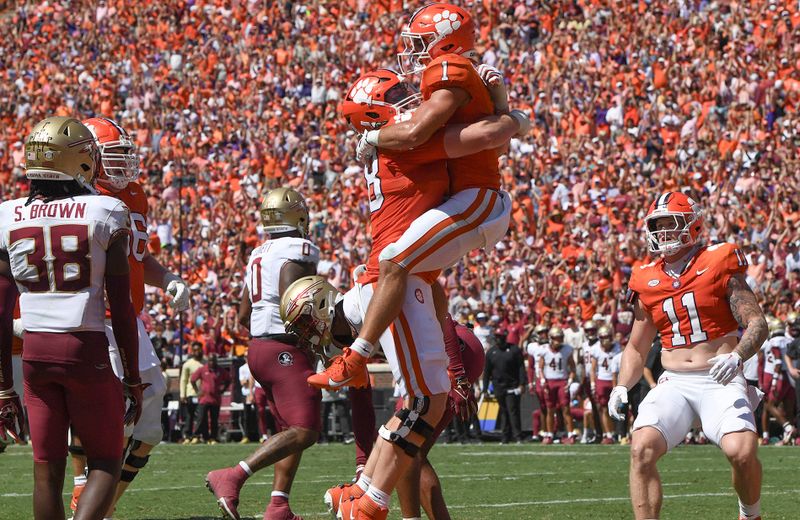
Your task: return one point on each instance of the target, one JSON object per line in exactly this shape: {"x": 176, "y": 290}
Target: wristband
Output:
{"x": 371, "y": 137}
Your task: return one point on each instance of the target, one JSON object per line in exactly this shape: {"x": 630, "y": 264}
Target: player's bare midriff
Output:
{"x": 695, "y": 357}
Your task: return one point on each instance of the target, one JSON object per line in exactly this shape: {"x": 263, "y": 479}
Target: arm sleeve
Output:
{"x": 123, "y": 322}
{"x": 523, "y": 377}
{"x": 452, "y": 346}
{"x": 8, "y": 299}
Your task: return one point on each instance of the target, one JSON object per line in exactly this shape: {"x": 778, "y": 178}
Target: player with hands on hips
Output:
{"x": 695, "y": 295}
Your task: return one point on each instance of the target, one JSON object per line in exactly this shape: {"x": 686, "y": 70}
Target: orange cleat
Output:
{"x": 337, "y": 494}
{"x": 349, "y": 369}
{"x": 76, "y": 495}
{"x": 355, "y": 509}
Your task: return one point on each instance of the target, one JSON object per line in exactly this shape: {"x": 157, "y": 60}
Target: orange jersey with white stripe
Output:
{"x": 402, "y": 186}
{"x": 478, "y": 170}
{"x": 692, "y": 308}
{"x": 133, "y": 196}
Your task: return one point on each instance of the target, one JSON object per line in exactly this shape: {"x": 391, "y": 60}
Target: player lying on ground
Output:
{"x": 696, "y": 296}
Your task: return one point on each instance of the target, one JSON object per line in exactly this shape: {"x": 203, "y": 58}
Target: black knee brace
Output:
{"x": 76, "y": 450}
{"x": 134, "y": 461}
{"x": 410, "y": 422}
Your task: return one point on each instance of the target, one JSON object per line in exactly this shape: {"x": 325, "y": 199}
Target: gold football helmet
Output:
{"x": 775, "y": 325}
{"x": 307, "y": 308}
{"x": 556, "y": 333}
{"x": 284, "y": 209}
{"x": 61, "y": 149}
{"x": 540, "y": 330}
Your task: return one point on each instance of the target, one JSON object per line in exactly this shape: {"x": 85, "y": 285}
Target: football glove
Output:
{"x": 19, "y": 330}
{"x": 619, "y": 398}
{"x": 179, "y": 291}
{"x": 725, "y": 367}
{"x": 462, "y": 399}
{"x": 133, "y": 391}
{"x": 12, "y": 422}
{"x": 365, "y": 149}
{"x": 493, "y": 79}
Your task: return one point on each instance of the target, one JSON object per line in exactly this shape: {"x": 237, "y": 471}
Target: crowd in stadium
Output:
{"x": 228, "y": 98}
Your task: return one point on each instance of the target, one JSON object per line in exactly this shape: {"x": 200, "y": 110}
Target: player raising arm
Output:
{"x": 681, "y": 296}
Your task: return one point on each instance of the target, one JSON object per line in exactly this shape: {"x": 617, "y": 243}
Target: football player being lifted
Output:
{"x": 402, "y": 186}
{"x": 278, "y": 360}
{"x": 66, "y": 248}
{"x": 117, "y": 175}
{"x": 696, "y": 297}
{"x": 440, "y": 42}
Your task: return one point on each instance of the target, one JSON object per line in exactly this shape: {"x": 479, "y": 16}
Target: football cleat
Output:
{"x": 568, "y": 440}
{"x": 225, "y": 487}
{"x": 76, "y": 495}
{"x": 335, "y": 495}
{"x": 547, "y": 440}
{"x": 789, "y": 433}
{"x": 349, "y": 369}
{"x": 282, "y": 512}
{"x": 351, "y": 510}
{"x": 607, "y": 440}
{"x": 764, "y": 441}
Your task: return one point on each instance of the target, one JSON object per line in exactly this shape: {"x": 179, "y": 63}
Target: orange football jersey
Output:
{"x": 480, "y": 169}
{"x": 134, "y": 197}
{"x": 692, "y": 308}
{"x": 402, "y": 186}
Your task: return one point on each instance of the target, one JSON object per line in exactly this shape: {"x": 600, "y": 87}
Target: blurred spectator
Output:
{"x": 188, "y": 391}
{"x": 209, "y": 381}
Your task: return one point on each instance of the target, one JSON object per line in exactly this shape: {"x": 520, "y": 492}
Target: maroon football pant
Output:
{"x": 87, "y": 397}
{"x": 282, "y": 370}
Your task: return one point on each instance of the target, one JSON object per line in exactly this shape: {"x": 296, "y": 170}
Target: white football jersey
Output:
{"x": 605, "y": 361}
{"x": 58, "y": 258}
{"x": 556, "y": 364}
{"x": 774, "y": 349}
{"x": 263, "y": 279}
{"x": 535, "y": 351}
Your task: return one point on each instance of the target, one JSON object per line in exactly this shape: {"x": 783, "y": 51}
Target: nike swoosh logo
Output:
{"x": 335, "y": 384}
{"x": 701, "y": 271}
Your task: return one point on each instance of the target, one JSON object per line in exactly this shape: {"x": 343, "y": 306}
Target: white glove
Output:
{"x": 490, "y": 75}
{"x": 18, "y": 330}
{"x": 493, "y": 79}
{"x": 523, "y": 120}
{"x": 619, "y": 397}
{"x": 179, "y": 291}
{"x": 365, "y": 149}
{"x": 725, "y": 368}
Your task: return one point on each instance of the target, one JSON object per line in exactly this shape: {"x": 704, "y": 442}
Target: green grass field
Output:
{"x": 480, "y": 481}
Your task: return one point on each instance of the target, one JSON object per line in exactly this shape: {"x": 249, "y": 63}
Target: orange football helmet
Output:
{"x": 376, "y": 99}
{"x": 119, "y": 163}
{"x": 687, "y": 224}
{"x": 433, "y": 30}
